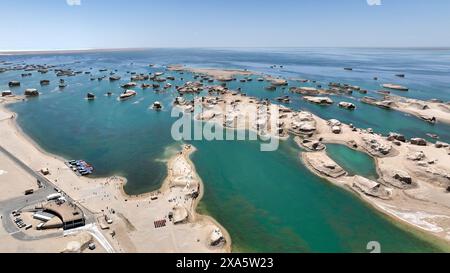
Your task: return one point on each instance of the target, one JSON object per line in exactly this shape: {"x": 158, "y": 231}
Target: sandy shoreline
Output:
{"x": 131, "y": 226}
{"x": 425, "y": 110}
{"x": 385, "y": 210}
{"x": 424, "y": 205}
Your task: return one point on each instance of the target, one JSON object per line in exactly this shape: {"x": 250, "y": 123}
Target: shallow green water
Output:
{"x": 354, "y": 162}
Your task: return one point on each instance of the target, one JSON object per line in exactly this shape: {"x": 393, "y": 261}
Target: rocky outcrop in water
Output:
{"x": 6, "y": 93}
{"x": 44, "y": 82}
{"x": 191, "y": 87}
{"x": 14, "y": 84}
{"x": 319, "y": 100}
{"x": 347, "y": 105}
{"x": 307, "y": 91}
{"x": 31, "y": 92}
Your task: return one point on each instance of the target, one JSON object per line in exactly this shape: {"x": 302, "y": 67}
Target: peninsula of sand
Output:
{"x": 161, "y": 221}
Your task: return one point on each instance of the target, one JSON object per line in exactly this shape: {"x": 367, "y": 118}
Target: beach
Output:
{"x": 133, "y": 216}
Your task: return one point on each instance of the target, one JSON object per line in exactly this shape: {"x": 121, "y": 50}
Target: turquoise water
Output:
{"x": 267, "y": 201}
{"x": 354, "y": 162}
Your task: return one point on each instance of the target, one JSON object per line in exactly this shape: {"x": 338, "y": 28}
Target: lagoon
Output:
{"x": 354, "y": 162}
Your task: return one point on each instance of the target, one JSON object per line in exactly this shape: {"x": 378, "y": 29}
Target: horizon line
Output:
{"x": 87, "y": 50}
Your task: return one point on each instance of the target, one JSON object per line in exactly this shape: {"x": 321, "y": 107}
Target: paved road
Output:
{"x": 8, "y": 206}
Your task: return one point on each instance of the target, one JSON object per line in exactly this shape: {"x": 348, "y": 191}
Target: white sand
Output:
{"x": 212, "y": 72}
{"x": 415, "y": 107}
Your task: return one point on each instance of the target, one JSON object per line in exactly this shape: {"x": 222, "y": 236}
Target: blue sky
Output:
{"x": 53, "y": 24}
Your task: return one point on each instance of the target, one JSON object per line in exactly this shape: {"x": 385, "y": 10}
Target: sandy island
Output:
{"x": 162, "y": 221}
{"x": 431, "y": 111}
{"x": 218, "y": 74}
